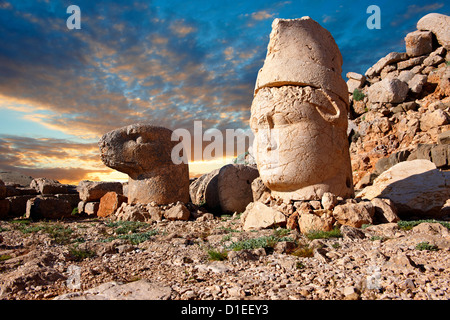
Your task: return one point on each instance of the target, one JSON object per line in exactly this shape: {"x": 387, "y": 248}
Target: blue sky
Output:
{"x": 162, "y": 62}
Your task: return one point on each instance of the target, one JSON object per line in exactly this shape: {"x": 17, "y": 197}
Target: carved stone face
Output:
{"x": 137, "y": 149}
{"x": 301, "y": 141}
{"x": 144, "y": 153}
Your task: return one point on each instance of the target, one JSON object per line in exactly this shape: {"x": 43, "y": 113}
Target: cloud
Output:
{"x": 262, "y": 15}
{"x": 413, "y": 10}
{"x": 52, "y": 158}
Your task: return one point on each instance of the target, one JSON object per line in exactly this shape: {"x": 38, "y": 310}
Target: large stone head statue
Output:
{"x": 144, "y": 153}
{"x": 299, "y": 114}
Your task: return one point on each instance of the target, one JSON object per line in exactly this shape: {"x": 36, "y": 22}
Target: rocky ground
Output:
{"x": 213, "y": 258}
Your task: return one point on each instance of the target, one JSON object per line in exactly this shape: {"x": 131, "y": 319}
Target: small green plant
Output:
{"x": 408, "y": 225}
{"x": 81, "y": 254}
{"x": 226, "y": 238}
{"x": 358, "y": 95}
{"x": 299, "y": 265}
{"x": 381, "y": 238}
{"x": 5, "y": 257}
{"x": 125, "y": 227}
{"x": 304, "y": 251}
{"x": 266, "y": 242}
{"x": 447, "y": 63}
{"x": 215, "y": 255}
{"x": 59, "y": 233}
{"x": 426, "y": 246}
{"x": 319, "y": 234}
{"x": 74, "y": 211}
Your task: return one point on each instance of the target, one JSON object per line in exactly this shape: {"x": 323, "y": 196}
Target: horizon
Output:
{"x": 168, "y": 63}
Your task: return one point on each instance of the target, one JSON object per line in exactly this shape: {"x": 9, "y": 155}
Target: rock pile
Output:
{"x": 400, "y": 107}
{"x": 42, "y": 198}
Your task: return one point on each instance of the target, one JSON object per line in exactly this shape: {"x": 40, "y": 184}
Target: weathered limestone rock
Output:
{"x": 388, "y": 59}
{"x": 91, "y": 208}
{"x": 259, "y": 190}
{"x": 15, "y": 178}
{"x": 355, "y": 81}
{"x": 137, "y": 290}
{"x": 4, "y": 208}
{"x": 417, "y": 188}
{"x": 385, "y": 211}
{"x": 433, "y": 119}
{"x": 329, "y": 200}
{"x": 73, "y": 199}
{"x": 204, "y": 191}
{"x": 417, "y": 82}
{"x": 234, "y": 186}
{"x": 144, "y": 153}
{"x": 94, "y": 190}
{"x": 2, "y": 190}
{"x": 444, "y": 137}
{"x": 354, "y": 214}
{"x": 439, "y": 24}
{"x": 308, "y": 222}
{"x": 388, "y": 91}
{"x": 47, "y": 208}
{"x": 18, "y": 205}
{"x": 109, "y": 203}
{"x": 177, "y": 212}
{"x": 299, "y": 114}
{"x": 130, "y": 212}
{"x": 259, "y": 216}
{"x": 418, "y": 43}
{"x": 48, "y": 186}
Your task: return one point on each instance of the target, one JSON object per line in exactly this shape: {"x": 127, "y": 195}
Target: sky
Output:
{"x": 166, "y": 63}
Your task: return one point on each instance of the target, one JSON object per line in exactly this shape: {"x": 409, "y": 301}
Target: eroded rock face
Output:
{"x": 299, "y": 114}
{"x": 144, "y": 153}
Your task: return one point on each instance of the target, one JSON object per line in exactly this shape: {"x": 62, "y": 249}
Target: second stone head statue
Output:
{"x": 299, "y": 114}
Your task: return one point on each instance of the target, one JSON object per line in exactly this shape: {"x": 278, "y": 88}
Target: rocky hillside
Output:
{"x": 401, "y": 106}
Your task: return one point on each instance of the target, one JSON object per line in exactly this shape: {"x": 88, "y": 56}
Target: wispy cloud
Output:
{"x": 413, "y": 10}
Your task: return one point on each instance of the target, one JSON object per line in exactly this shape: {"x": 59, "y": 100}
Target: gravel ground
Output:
{"x": 213, "y": 258}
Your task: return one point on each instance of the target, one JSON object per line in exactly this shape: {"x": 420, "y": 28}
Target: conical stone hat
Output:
{"x": 301, "y": 52}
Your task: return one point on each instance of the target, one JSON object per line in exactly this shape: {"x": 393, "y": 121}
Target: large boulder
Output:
{"x": 204, "y": 191}
{"x": 137, "y": 290}
{"x": 418, "y": 43}
{"x": 439, "y": 24}
{"x": 48, "y": 208}
{"x": 383, "y": 62}
{"x": 48, "y": 186}
{"x": 259, "y": 216}
{"x": 93, "y": 190}
{"x": 354, "y": 214}
{"x": 417, "y": 188}
{"x": 144, "y": 152}
{"x": 234, "y": 186}
{"x": 109, "y": 203}
{"x": 13, "y": 177}
{"x": 2, "y": 190}
{"x": 4, "y": 208}
{"x": 388, "y": 90}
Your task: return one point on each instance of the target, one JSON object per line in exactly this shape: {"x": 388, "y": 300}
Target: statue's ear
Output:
{"x": 338, "y": 109}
